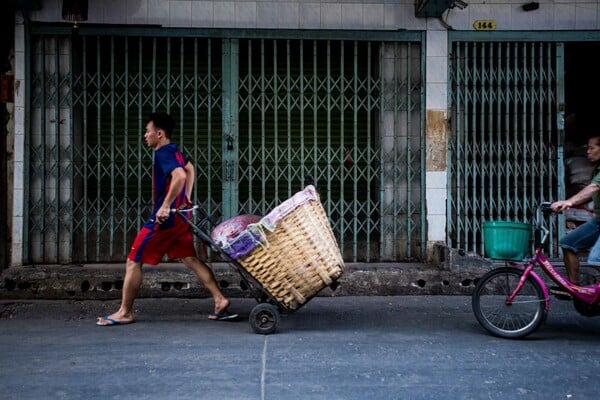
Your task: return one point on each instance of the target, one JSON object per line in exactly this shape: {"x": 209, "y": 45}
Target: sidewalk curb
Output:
{"x": 104, "y": 281}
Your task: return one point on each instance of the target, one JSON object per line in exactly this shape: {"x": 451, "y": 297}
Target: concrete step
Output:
{"x": 104, "y": 281}
{"x": 455, "y": 272}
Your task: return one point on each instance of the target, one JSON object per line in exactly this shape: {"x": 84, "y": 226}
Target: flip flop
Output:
{"x": 113, "y": 322}
{"x": 222, "y": 316}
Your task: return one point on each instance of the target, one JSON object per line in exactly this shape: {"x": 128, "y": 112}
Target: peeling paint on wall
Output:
{"x": 436, "y": 140}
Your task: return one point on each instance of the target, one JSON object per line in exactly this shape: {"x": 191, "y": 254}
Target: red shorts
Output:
{"x": 151, "y": 245}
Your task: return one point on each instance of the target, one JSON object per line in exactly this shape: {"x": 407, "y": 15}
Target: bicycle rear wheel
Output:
{"x": 508, "y": 320}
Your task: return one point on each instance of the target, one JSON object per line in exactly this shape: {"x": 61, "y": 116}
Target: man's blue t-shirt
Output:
{"x": 166, "y": 159}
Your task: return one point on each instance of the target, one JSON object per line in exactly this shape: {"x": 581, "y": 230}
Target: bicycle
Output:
{"x": 512, "y": 301}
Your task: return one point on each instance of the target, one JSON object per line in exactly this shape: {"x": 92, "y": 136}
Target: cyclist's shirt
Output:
{"x": 166, "y": 159}
{"x": 596, "y": 196}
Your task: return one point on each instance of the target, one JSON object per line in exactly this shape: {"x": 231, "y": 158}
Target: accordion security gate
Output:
{"x": 505, "y": 153}
{"x": 254, "y": 115}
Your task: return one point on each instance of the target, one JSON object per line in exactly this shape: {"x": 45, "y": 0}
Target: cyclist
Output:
{"x": 585, "y": 236}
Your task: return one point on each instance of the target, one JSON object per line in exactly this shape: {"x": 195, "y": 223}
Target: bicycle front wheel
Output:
{"x": 508, "y": 320}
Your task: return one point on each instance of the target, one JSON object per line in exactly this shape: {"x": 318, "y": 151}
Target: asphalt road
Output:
{"x": 406, "y": 347}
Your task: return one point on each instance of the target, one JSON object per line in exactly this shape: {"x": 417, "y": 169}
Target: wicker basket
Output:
{"x": 298, "y": 259}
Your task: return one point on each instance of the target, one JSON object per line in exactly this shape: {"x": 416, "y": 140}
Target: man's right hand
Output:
{"x": 163, "y": 214}
{"x": 562, "y": 205}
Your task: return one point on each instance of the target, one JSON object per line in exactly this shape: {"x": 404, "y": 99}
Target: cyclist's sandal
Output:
{"x": 560, "y": 293}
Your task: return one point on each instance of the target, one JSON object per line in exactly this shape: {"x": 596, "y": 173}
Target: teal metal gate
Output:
{"x": 505, "y": 153}
{"x": 255, "y": 115}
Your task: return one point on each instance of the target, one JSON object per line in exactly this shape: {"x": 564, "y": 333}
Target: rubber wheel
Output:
{"x": 264, "y": 318}
{"x": 508, "y": 320}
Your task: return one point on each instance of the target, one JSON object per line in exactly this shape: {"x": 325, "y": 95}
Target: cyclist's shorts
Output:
{"x": 581, "y": 238}
{"x": 151, "y": 245}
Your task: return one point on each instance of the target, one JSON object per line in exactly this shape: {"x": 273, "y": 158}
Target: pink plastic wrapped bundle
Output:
{"x": 234, "y": 237}
{"x": 238, "y": 236}
{"x": 231, "y": 228}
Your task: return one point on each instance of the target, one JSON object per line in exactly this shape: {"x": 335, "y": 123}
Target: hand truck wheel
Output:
{"x": 264, "y": 318}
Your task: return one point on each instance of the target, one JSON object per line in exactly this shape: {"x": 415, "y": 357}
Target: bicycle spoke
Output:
{"x": 529, "y": 301}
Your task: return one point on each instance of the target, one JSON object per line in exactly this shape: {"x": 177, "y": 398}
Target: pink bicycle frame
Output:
{"x": 528, "y": 271}
{"x": 588, "y": 294}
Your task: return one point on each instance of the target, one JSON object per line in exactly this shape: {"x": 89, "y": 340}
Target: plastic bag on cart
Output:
{"x": 234, "y": 237}
{"x": 271, "y": 220}
{"x": 231, "y": 228}
{"x": 245, "y": 242}
{"x": 240, "y": 235}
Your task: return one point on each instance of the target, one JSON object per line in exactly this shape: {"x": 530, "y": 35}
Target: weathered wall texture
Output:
{"x": 436, "y": 140}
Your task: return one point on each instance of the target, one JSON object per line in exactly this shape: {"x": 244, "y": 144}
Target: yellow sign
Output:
{"x": 484, "y": 25}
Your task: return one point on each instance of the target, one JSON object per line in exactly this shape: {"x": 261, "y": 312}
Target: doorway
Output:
{"x": 581, "y": 83}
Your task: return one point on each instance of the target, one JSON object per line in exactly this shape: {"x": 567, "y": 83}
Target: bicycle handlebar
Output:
{"x": 544, "y": 208}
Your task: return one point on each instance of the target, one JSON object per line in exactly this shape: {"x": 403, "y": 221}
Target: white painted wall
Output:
{"x": 330, "y": 14}
{"x": 264, "y": 14}
{"x": 18, "y": 197}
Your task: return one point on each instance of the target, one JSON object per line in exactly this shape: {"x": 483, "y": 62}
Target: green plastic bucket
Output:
{"x": 504, "y": 240}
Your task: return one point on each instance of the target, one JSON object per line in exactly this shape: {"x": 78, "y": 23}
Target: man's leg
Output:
{"x": 572, "y": 265}
{"x": 581, "y": 238}
{"x": 207, "y": 278}
{"x": 594, "y": 256}
{"x": 131, "y": 287}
